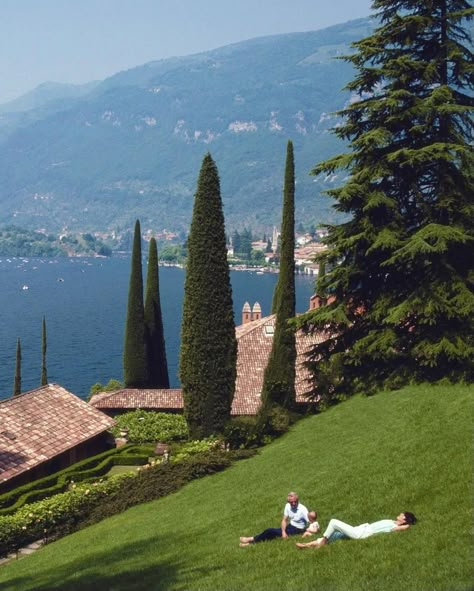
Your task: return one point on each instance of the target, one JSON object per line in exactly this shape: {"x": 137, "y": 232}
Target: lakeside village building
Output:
{"x": 47, "y": 429}
{"x": 305, "y": 251}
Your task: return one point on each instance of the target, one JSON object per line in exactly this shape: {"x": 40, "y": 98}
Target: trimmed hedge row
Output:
{"x": 90, "y": 468}
{"x": 85, "y": 504}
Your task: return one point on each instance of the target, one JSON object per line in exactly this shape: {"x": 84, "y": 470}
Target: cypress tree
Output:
{"x": 17, "y": 380}
{"x": 135, "y": 366}
{"x": 44, "y": 373}
{"x": 400, "y": 265}
{"x": 155, "y": 338}
{"x": 279, "y": 377}
{"x": 208, "y": 344}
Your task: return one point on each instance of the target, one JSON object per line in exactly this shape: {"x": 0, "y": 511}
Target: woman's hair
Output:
{"x": 410, "y": 518}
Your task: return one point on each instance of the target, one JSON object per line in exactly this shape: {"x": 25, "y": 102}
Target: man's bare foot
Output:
{"x": 301, "y": 546}
{"x": 246, "y": 540}
{"x": 244, "y": 544}
{"x": 314, "y": 544}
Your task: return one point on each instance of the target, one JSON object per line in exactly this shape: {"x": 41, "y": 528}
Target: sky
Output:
{"x": 77, "y": 41}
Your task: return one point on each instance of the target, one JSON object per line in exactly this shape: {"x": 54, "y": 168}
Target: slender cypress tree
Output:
{"x": 208, "y": 344}
{"x": 279, "y": 377}
{"x": 135, "y": 366}
{"x": 155, "y": 338}
{"x": 401, "y": 265}
{"x": 44, "y": 373}
{"x": 17, "y": 381}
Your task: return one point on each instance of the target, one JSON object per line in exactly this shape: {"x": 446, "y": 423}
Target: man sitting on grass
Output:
{"x": 338, "y": 530}
{"x": 299, "y": 517}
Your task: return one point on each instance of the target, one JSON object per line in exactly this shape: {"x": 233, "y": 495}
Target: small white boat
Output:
{"x": 25, "y": 287}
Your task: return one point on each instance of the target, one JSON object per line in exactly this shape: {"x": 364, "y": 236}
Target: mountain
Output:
{"x": 45, "y": 99}
{"x": 47, "y": 94}
{"x": 132, "y": 145}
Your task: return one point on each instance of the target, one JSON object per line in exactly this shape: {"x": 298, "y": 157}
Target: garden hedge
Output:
{"x": 84, "y": 503}
{"x": 90, "y": 468}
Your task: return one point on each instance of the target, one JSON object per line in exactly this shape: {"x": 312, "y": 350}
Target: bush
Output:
{"x": 84, "y": 504}
{"x": 194, "y": 447}
{"x": 111, "y": 386}
{"x": 279, "y": 420}
{"x": 88, "y": 469}
{"x": 241, "y": 433}
{"x": 145, "y": 426}
{"x": 41, "y": 519}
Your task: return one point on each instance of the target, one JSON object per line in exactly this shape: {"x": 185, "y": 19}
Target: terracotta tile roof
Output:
{"x": 254, "y": 343}
{"x": 131, "y": 398}
{"x": 38, "y": 425}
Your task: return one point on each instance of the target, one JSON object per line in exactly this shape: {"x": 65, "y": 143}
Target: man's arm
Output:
{"x": 284, "y": 523}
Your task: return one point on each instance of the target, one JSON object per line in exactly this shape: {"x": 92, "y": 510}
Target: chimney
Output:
{"x": 246, "y": 313}
{"x": 256, "y": 311}
{"x": 315, "y": 302}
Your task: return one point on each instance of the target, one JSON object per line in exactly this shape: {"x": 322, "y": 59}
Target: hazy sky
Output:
{"x": 77, "y": 41}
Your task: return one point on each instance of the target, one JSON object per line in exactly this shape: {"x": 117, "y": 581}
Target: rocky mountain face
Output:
{"x": 131, "y": 146}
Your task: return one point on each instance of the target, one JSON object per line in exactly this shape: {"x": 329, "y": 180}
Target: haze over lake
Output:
{"x": 84, "y": 301}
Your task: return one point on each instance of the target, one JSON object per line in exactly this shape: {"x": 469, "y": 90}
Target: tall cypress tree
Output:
{"x": 208, "y": 344}
{"x": 17, "y": 380}
{"x": 401, "y": 264}
{"x": 135, "y": 366}
{"x": 155, "y": 338}
{"x": 44, "y": 373}
{"x": 279, "y": 377}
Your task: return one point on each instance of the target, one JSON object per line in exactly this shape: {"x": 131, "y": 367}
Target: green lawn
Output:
{"x": 121, "y": 469}
{"x": 367, "y": 459}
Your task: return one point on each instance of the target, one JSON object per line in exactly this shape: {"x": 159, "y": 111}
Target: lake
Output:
{"x": 84, "y": 301}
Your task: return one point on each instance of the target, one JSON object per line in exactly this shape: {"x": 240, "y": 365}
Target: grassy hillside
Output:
{"x": 367, "y": 459}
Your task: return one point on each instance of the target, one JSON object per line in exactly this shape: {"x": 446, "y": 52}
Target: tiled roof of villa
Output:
{"x": 132, "y": 398}
{"x": 254, "y": 343}
{"x": 39, "y": 425}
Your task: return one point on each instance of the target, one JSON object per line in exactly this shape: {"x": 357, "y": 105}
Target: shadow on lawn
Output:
{"x": 81, "y": 575}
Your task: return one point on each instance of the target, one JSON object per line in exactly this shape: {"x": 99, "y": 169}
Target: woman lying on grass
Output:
{"x": 338, "y": 530}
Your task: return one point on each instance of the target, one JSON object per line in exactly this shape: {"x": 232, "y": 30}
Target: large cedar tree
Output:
{"x": 400, "y": 266}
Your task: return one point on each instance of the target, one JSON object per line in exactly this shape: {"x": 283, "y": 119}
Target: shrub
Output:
{"x": 88, "y": 469}
{"x": 40, "y": 519}
{"x": 241, "y": 432}
{"x": 111, "y": 386}
{"x": 83, "y": 504}
{"x": 145, "y": 426}
{"x": 279, "y": 420}
{"x": 194, "y": 447}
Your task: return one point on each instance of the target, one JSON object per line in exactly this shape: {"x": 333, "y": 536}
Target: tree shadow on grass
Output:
{"x": 103, "y": 571}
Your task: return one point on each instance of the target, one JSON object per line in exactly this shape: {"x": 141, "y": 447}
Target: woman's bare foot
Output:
{"x": 244, "y": 544}
{"x": 246, "y": 540}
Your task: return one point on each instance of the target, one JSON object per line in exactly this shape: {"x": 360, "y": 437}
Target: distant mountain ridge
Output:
{"x": 131, "y": 145}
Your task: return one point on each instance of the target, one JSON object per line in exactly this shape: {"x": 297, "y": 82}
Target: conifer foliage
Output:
{"x": 135, "y": 363}
{"x": 401, "y": 266}
{"x": 279, "y": 378}
{"x": 17, "y": 380}
{"x": 155, "y": 338}
{"x": 208, "y": 344}
{"x": 44, "y": 373}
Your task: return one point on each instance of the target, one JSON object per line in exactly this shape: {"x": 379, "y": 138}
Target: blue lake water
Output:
{"x": 84, "y": 301}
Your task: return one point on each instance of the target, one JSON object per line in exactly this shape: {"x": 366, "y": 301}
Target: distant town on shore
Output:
{"x": 245, "y": 249}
